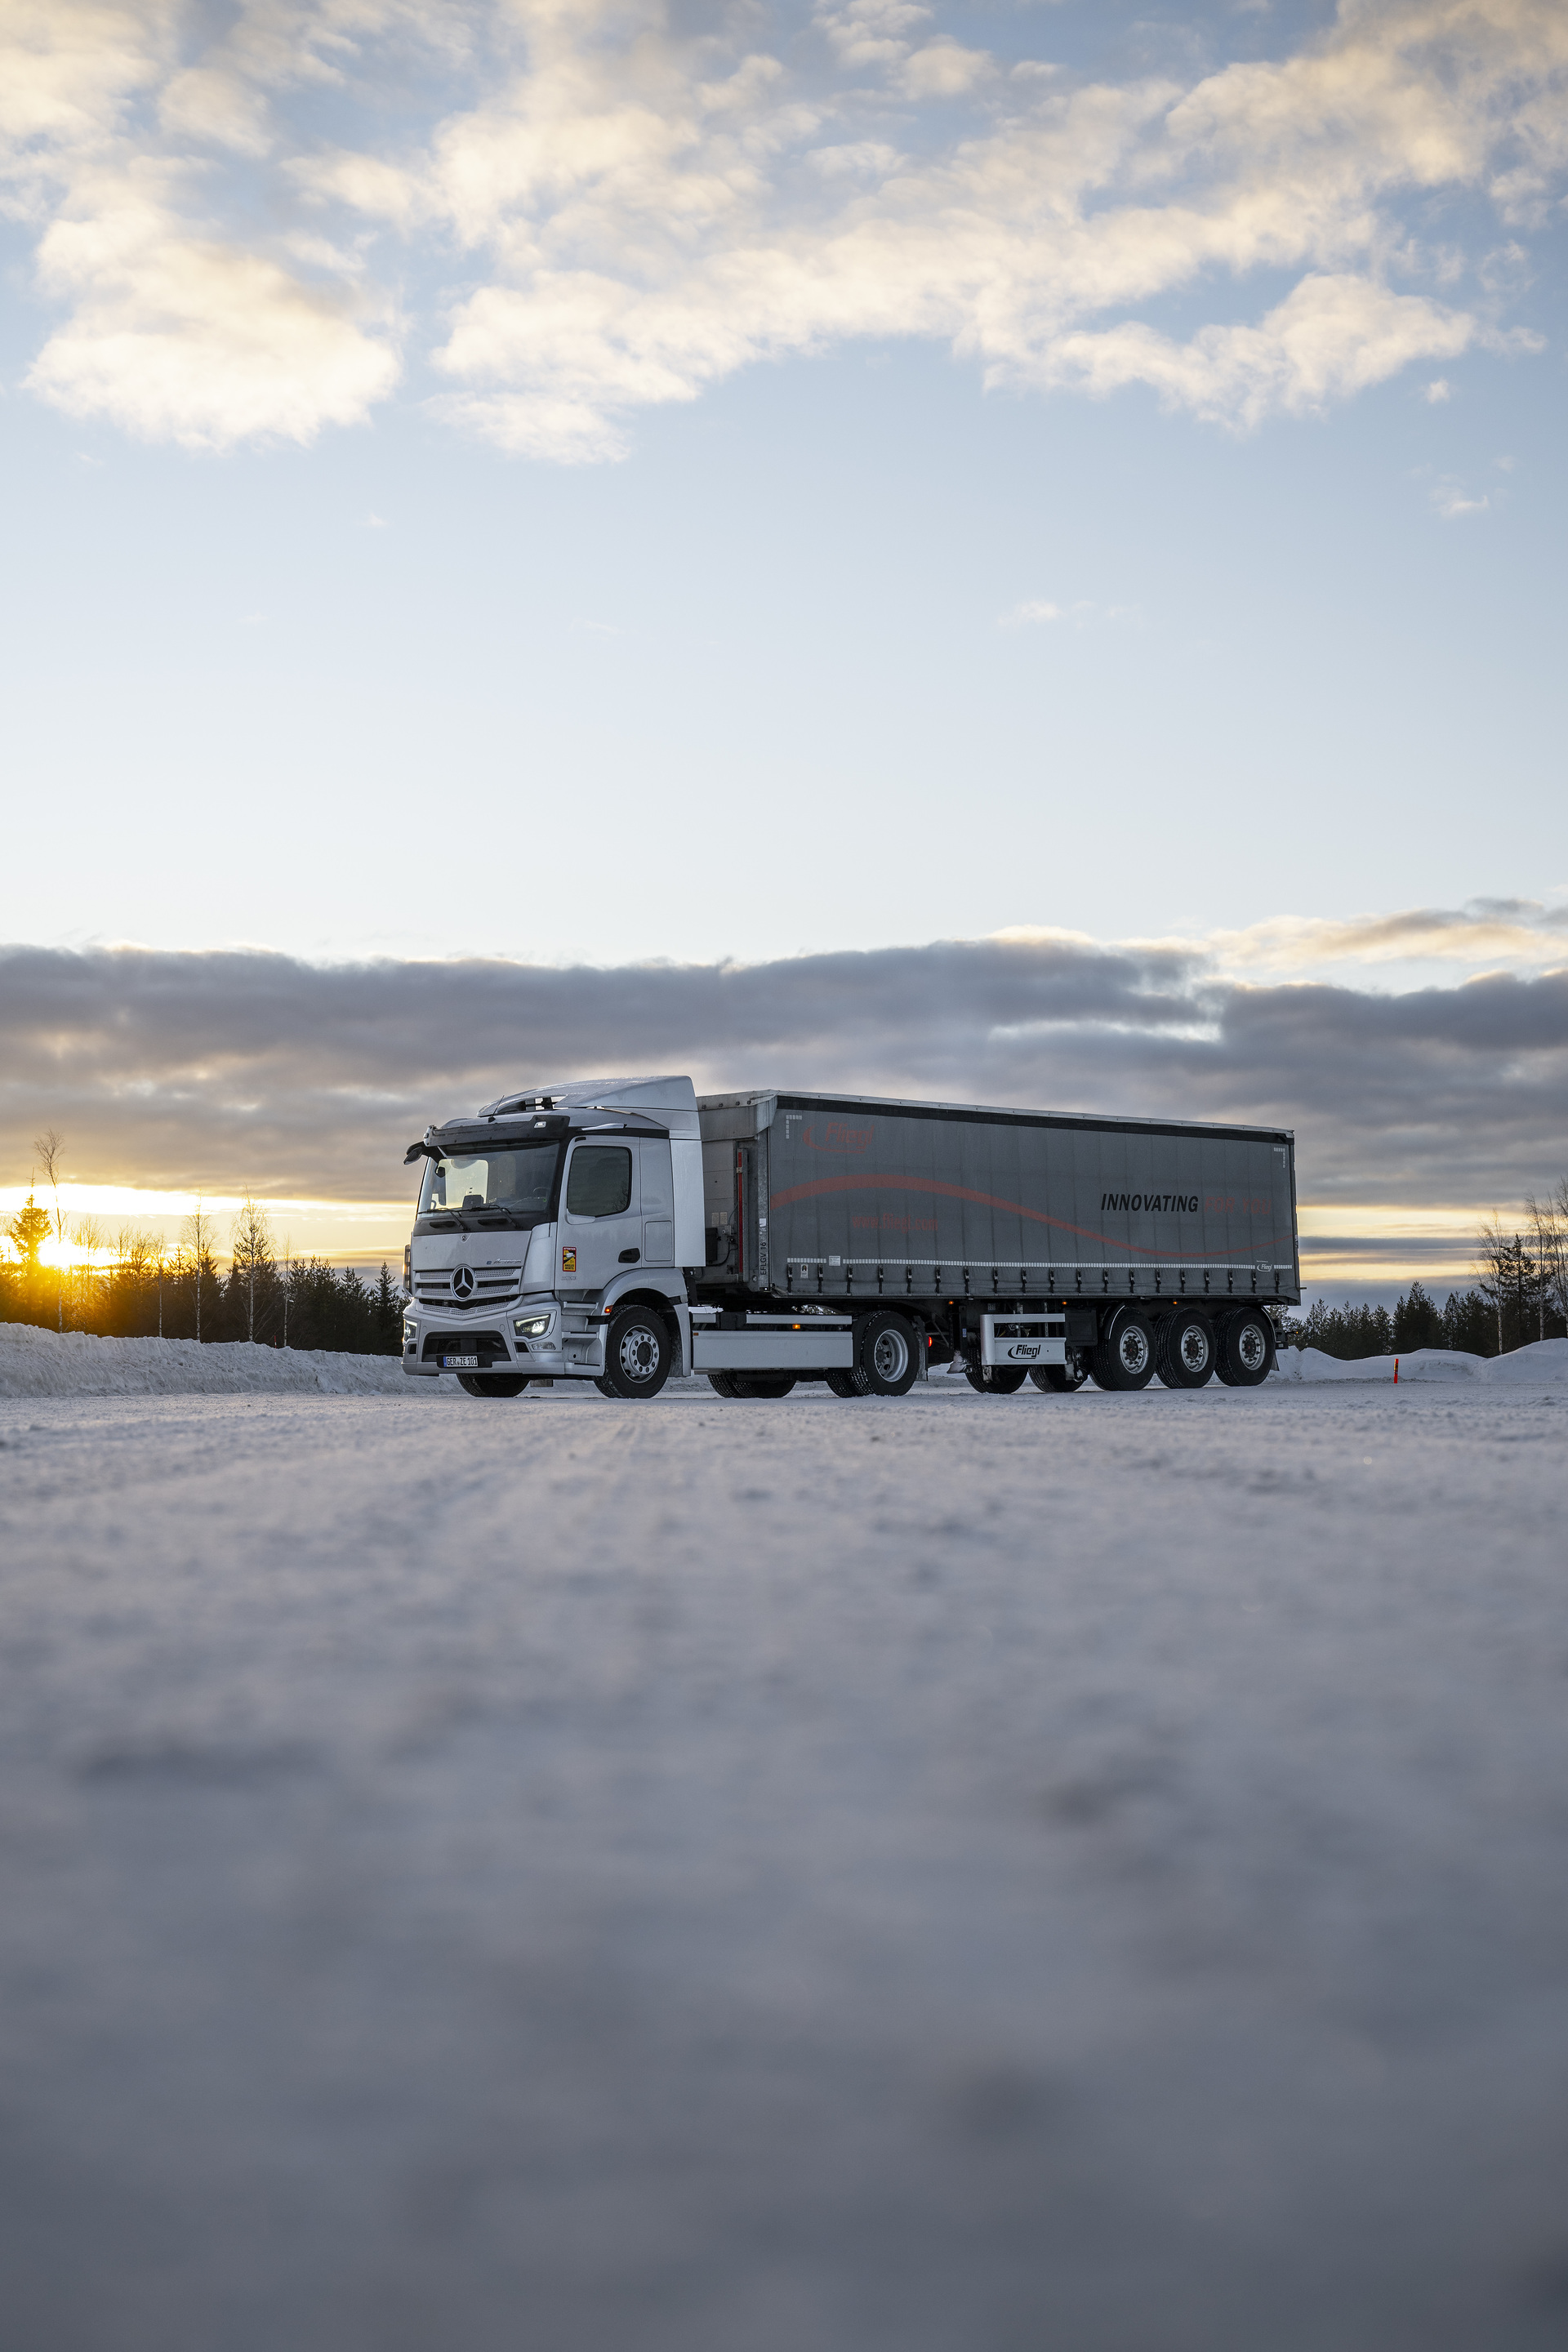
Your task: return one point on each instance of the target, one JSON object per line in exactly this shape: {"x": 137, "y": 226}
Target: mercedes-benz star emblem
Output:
{"x": 463, "y": 1282}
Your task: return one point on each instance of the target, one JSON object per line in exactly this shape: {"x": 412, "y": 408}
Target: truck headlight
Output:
{"x": 532, "y": 1326}
{"x": 410, "y": 1330}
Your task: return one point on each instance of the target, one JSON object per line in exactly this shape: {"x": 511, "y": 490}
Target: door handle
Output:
{"x": 629, "y": 1258}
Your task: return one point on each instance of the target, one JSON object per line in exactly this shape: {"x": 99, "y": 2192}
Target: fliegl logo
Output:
{"x": 1025, "y": 1351}
{"x": 568, "y": 1261}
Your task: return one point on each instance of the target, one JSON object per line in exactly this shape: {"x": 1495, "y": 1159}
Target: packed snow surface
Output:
{"x": 797, "y": 1877}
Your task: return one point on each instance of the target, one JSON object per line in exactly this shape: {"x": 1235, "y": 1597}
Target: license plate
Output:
{"x": 459, "y": 1363}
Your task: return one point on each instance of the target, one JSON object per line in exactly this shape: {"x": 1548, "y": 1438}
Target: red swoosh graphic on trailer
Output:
{"x": 821, "y": 1184}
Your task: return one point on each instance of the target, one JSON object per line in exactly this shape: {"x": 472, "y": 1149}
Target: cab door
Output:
{"x": 601, "y": 1214}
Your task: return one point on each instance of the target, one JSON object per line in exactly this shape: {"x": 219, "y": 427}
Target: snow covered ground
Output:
{"x": 75, "y": 1364}
{"x": 787, "y": 1877}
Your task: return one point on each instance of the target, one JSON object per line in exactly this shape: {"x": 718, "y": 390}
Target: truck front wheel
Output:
{"x": 493, "y": 1384}
{"x": 636, "y": 1352}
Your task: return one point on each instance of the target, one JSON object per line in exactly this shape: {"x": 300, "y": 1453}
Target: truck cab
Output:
{"x": 553, "y": 1235}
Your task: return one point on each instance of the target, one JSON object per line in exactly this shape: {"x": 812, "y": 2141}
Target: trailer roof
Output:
{"x": 1101, "y": 1122}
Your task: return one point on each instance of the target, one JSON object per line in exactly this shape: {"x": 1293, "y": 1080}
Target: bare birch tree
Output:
{"x": 49, "y": 1145}
{"x": 1549, "y": 1227}
{"x": 197, "y": 1236}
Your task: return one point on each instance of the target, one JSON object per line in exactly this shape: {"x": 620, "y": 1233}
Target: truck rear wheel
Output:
{"x": 636, "y": 1352}
{"x": 885, "y": 1358}
{"x": 1125, "y": 1357}
{"x": 1247, "y": 1349}
{"x": 1061, "y": 1380}
{"x": 493, "y": 1384}
{"x": 1187, "y": 1349}
{"x": 760, "y": 1384}
{"x": 996, "y": 1380}
{"x": 842, "y": 1384}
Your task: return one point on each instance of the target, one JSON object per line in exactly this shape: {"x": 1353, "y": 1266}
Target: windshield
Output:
{"x": 510, "y": 1184}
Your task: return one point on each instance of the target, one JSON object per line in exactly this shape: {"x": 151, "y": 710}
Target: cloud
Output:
{"x": 587, "y": 211}
{"x": 246, "y": 1067}
{"x": 185, "y": 338}
{"x": 1451, "y": 500}
{"x": 1438, "y": 391}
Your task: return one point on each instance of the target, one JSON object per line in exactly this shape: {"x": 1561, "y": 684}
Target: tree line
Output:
{"x": 1520, "y": 1293}
{"x": 144, "y": 1288}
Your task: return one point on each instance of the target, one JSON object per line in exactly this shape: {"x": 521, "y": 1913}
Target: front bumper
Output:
{"x": 573, "y": 1348}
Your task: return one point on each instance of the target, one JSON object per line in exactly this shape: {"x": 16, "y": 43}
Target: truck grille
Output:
{"x": 494, "y": 1285}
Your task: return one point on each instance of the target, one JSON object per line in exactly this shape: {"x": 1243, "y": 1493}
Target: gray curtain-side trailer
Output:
{"x": 963, "y": 1214}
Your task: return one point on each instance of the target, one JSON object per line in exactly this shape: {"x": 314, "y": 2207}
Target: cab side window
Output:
{"x": 600, "y": 1183}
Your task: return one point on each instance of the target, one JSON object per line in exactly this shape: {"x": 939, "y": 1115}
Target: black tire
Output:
{"x": 841, "y": 1383}
{"x": 1125, "y": 1357}
{"x": 637, "y": 1353}
{"x": 886, "y": 1355}
{"x": 996, "y": 1380}
{"x": 1061, "y": 1380}
{"x": 493, "y": 1384}
{"x": 722, "y": 1383}
{"x": 1189, "y": 1350}
{"x": 1247, "y": 1348}
{"x": 762, "y": 1384}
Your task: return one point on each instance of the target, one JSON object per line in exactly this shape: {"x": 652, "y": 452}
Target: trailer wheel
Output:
{"x": 1125, "y": 1357}
{"x": 1188, "y": 1350}
{"x": 885, "y": 1360}
{"x": 996, "y": 1380}
{"x": 1061, "y": 1380}
{"x": 841, "y": 1383}
{"x": 493, "y": 1384}
{"x": 636, "y": 1352}
{"x": 1247, "y": 1348}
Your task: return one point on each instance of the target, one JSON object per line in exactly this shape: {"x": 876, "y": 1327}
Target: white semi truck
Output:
{"x": 614, "y": 1230}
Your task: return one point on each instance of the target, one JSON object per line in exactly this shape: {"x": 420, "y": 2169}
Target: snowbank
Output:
{"x": 35, "y": 1363}
{"x": 1545, "y": 1363}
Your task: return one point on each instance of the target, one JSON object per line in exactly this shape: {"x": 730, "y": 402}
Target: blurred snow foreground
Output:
{"x": 810, "y": 1875}
{"x": 36, "y": 1363}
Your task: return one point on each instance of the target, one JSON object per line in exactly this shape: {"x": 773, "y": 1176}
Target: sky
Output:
{"x": 592, "y": 516}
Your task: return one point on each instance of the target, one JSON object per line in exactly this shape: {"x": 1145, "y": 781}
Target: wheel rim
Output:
{"x": 890, "y": 1355}
{"x": 638, "y": 1354}
{"x": 1251, "y": 1348}
{"x": 1132, "y": 1350}
{"x": 1193, "y": 1347}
